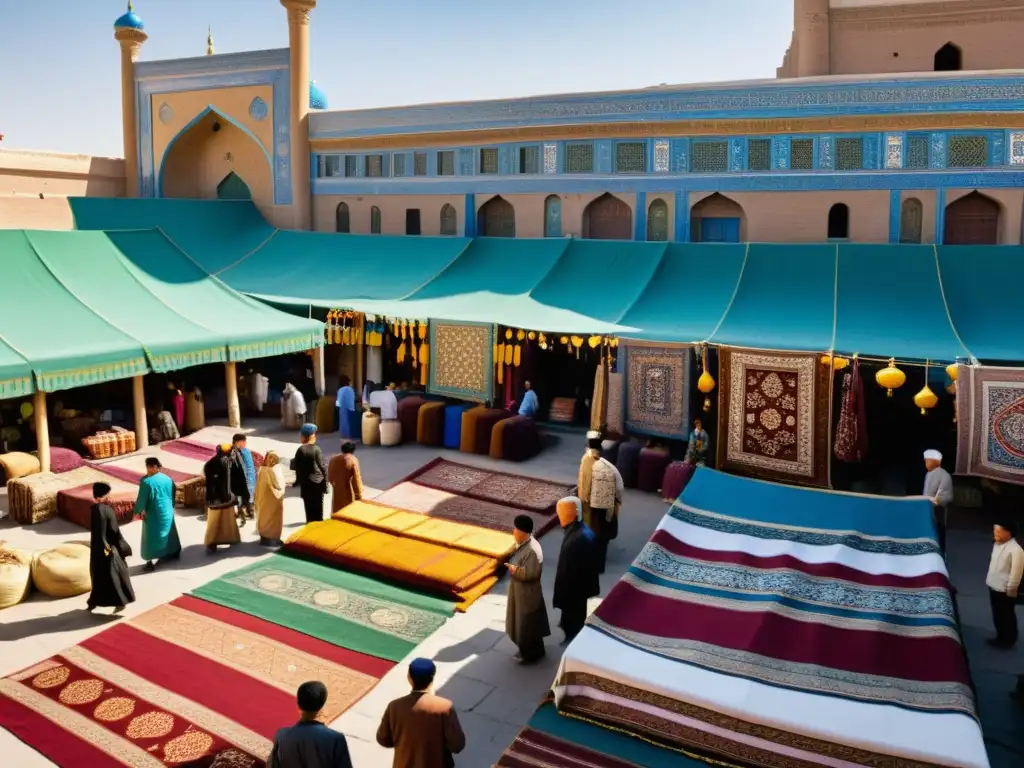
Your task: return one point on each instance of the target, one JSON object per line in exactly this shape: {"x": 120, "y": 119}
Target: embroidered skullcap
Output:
{"x": 99, "y": 490}
{"x": 523, "y": 523}
{"x": 567, "y": 503}
{"x": 932, "y": 455}
{"x": 308, "y": 430}
{"x": 593, "y": 435}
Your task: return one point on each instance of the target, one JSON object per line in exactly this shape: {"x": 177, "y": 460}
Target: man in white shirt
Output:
{"x": 1004, "y": 576}
{"x": 938, "y": 487}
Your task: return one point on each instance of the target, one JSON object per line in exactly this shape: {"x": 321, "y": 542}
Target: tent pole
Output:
{"x": 42, "y": 430}
{"x": 139, "y": 403}
{"x": 231, "y": 391}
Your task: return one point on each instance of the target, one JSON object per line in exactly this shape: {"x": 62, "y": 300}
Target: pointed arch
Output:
{"x": 449, "y": 220}
{"x": 839, "y": 222}
{"x": 949, "y": 58}
{"x": 496, "y": 218}
{"x": 195, "y": 121}
{"x": 717, "y": 219}
{"x": 233, "y": 187}
{"x": 552, "y": 216}
{"x": 374, "y": 220}
{"x": 608, "y": 218}
{"x": 342, "y": 219}
{"x": 657, "y": 221}
{"x": 972, "y": 220}
{"x": 911, "y": 220}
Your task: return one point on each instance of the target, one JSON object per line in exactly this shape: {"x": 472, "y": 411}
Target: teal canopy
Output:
{"x": 908, "y": 302}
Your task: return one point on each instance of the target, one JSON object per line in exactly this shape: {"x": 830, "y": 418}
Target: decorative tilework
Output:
{"x": 165, "y": 113}
{"x": 661, "y": 156}
{"x": 551, "y": 158}
{"x": 467, "y": 162}
{"x": 657, "y": 389}
{"x": 603, "y": 156}
{"x": 1017, "y": 148}
{"x": 462, "y": 357}
{"x": 826, "y": 153}
{"x": 990, "y": 423}
{"x": 937, "y": 151}
{"x": 258, "y": 109}
{"x": 781, "y": 161}
{"x": 736, "y": 154}
{"x": 680, "y": 155}
{"x": 894, "y": 151}
{"x": 998, "y": 143}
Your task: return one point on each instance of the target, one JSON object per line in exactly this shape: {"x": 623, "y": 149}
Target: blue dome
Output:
{"x": 129, "y": 21}
{"x": 317, "y": 98}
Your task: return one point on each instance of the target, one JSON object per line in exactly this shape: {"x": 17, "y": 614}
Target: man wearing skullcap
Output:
{"x": 310, "y": 474}
{"x": 422, "y": 728}
{"x": 600, "y": 489}
{"x": 1005, "y": 569}
{"x": 576, "y": 578}
{"x": 155, "y": 505}
{"x": 309, "y": 743}
{"x": 526, "y": 615}
{"x": 111, "y": 585}
{"x": 938, "y": 487}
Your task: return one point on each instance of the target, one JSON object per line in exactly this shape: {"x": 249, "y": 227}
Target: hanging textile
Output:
{"x": 599, "y": 403}
{"x": 851, "y": 431}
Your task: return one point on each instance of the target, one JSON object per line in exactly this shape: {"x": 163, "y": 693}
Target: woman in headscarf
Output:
{"x": 270, "y": 501}
{"x": 345, "y": 478}
{"x": 111, "y": 585}
{"x": 221, "y": 527}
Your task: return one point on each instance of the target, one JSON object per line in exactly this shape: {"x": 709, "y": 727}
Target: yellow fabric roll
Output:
{"x": 497, "y": 448}
{"x": 16, "y": 464}
{"x": 63, "y": 571}
{"x": 15, "y": 576}
{"x": 467, "y": 441}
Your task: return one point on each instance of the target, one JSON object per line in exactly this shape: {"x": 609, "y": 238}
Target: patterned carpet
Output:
{"x": 516, "y": 491}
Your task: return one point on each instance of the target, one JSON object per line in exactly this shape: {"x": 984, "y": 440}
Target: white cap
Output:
{"x": 933, "y": 455}
{"x": 593, "y": 435}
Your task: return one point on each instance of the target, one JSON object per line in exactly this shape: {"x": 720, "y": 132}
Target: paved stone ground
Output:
{"x": 494, "y": 696}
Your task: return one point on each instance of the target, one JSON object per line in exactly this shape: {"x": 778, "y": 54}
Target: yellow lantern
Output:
{"x": 520, "y": 335}
{"x": 531, "y": 335}
{"x": 891, "y": 377}
{"x": 826, "y": 359}
{"x": 564, "y": 340}
{"x": 839, "y": 363}
{"x": 508, "y": 333}
{"x": 706, "y": 383}
{"x": 926, "y": 399}
{"x": 951, "y": 389}
{"x": 615, "y": 343}
{"x": 952, "y": 370}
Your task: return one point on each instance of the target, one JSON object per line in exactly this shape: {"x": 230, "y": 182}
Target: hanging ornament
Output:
{"x": 501, "y": 354}
{"x": 594, "y": 342}
{"x": 953, "y": 370}
{"x": 517, "y": 356}
{"x": 891, "y": 377}
{"x": 531, "y": 335}
{"x": 422, "y": 331}
{"x": 926, "y": 399}
{"x": 508, "y": 354}
{"x": 520, "y": 334}
{"x": 564, "y": 340}
{"x": 706, "y": 382}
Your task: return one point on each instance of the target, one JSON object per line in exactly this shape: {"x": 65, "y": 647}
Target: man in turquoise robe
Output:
{"x": 156, "y": 506}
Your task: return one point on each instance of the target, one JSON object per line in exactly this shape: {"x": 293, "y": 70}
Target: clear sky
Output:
{"x": 59, "y": 63}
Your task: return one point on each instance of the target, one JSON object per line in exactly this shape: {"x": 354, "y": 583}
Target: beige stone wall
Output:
{"x": 392, "y": 208}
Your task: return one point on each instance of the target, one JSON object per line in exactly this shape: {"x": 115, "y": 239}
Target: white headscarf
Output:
{"x": 933, "y": 455}
{"x": 573, "y": 500}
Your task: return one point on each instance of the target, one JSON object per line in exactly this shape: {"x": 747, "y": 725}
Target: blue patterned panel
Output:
{"x": 937, "y": 151}
{"x": 603, "y": 159}
{"x": 505, "y": 159}
{"x": 871, "y": 152}
{"x": 258, "y": 109}
{"x": 680, "y": 155}
{"x": 737, "y": 152}
{"x": 466, "y": 164}
{"x": 780, "y": 155}
{"x": 997, "y": 149}
{"x": 827, "y": 153}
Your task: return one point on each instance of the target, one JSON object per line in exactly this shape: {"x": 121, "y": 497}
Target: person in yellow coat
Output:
{"x": 270, "y": 489}
{"x": 345, "y": 478}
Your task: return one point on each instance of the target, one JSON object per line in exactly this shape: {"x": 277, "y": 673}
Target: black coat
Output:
{"x": 308, "y": 464}
{"x": 239, "y": 485}
{"x": 111, "y": 585}
{"x": 578, "y": 575}
{"x": 218, "y": 474}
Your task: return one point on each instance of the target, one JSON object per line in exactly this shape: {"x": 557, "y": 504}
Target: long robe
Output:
{"x": 111, "y": 585}
{"x": 221, "y": 527}
{"x": 526, "y": 616}
{"x": 156, "y": 503}
{"x": 346, "y": 480}
{"x": 270, "y": 490}
{"x": 346, "y": 404}
{"x": 577, "y": 578}
{"x": 243, "y": 474}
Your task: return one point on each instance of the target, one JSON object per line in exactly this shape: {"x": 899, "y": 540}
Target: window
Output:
{"x": 419, "y": 163}
{"x": 949, "y": 58}
{"x": 446, "y": 163}
{"x": 399, "y": 165}
{"x": 375, "y": 220}
{"x": 374, "y": 166}
{"x": 350, "y": 166}
{"x": 332, "y": 166}
{"x": 849, "y": 154}
{"x": 657, "y": 221}
{"x": 839, "y": 222}
{"x": 449, "y": 220}
{"x": 910, "y": 220}
{"x": 341, "y": 218}
{"x": 412, "y": 221}
{"x": 579, "y": 158}
{"x": 630, "y": 157}
{"x": 489, "y": 160}
{"x": 553, "y": 216}
{"x": 967, "y": 152}
{"x": 917, "y": 152}
{"x": 529, "y": 159}
{"x": 709, "y": 157}
{"x": 759, "y": 155}
{"x": 801, "y": 154}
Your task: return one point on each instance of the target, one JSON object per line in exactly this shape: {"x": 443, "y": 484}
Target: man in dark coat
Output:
{"x": 576, "y": 578}
{"x": 526, "y": 616}
{"x": 111, "y": 585}
{"x": 310, "y": 474}
{"x": 309, "y": 743}
{"x": 243, "y": 478}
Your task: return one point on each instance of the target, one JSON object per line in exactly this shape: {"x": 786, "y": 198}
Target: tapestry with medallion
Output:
{"x": 463, "y": 360}
{"x": 990, "y": 423}
{"x": 657, "y": 398}
{"x": 774, "y": 416}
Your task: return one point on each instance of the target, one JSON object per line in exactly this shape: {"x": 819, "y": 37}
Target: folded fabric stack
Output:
{"x": 115, "y": 442}
{"x": 770, "y": 625}
{"x": 75, "y": 504}
{"x": 33, "y": 499}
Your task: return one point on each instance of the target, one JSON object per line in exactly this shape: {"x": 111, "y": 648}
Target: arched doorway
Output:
{"x": 607, "y": 218}
{"x": 232, "y": 187}
{"x": 911, "y": 217}
{"x": 717, "y": 219}
{"x": 449, "y": 220}
{"x": 972, "y": 220}
{"x": 839, "y": 222}
{"x": 657, "y": 221}
{"x": 496, "y": 218}
{"x": 949, "y": 58}
{"x": 553, "y": 216}
{"x": 374, "y": 220}
{"x": 342, "y": 219}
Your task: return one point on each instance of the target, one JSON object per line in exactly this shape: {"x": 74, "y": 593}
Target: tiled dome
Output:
{"x": 129, "y": 20}
{"x": 317, "y": 98}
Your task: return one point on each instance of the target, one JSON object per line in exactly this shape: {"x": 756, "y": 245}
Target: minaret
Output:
{"x": 128, "y": 31}
{"x": 811, "y": 34}
{"x": 209, "y": 41}
{"x": 298, "y": 45}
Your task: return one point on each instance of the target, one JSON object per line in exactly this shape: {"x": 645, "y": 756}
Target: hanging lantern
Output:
{"x": 926, "y": 399}
{"x": 706, "y": 383}
{"x": 531, "y": 335}
{"x": 952, "y": 370}
{"x": 826, "y": 359}
{"x": 508, "y": 333}
{"x": 520, "y": 334}
{"x": 594, "y": 342}
{"x": 891, "y": 377}
{"x": 839, "y": 363}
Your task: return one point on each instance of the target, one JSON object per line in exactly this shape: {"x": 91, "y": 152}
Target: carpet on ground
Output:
{"x": 657, "y": 381}
{"x": 519, "y": 491}
{"x": 774, "y": 417}
{"x": 766, "y": 625}
{"x": 990, "y": 423}
{"x": 190, "y": 449}
{"x": 345, "y": 609}
{"x": 187, "y": 683}
{"x": 457, "y": 575}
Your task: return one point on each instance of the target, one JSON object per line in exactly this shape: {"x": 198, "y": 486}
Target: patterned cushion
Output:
{"x": 64, "y": 460}
{"x": 651, "y": 469}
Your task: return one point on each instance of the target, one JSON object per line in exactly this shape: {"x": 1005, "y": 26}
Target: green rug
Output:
{"x": 338, "y": 607}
